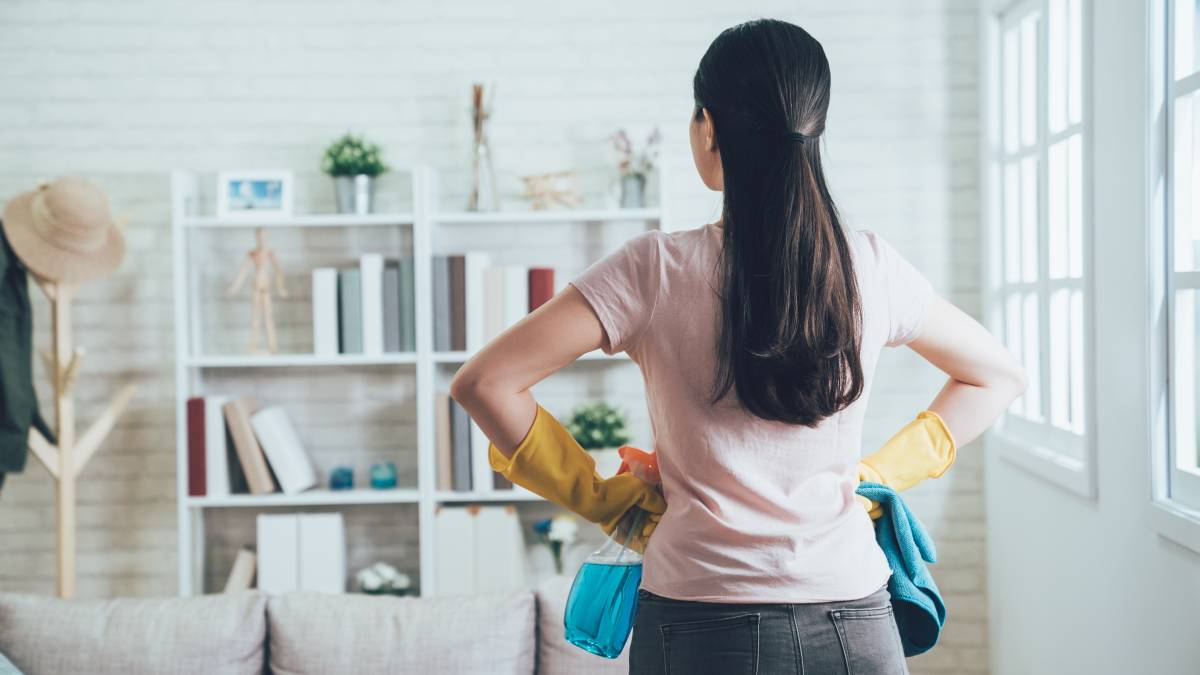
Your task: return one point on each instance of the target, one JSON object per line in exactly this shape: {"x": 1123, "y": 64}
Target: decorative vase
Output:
{"x": 355, "y": 194}
{"x": 633, "y": 191}
{"x": 483, "y": 178}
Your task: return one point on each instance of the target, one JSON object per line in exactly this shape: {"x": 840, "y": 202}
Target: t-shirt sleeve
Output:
{"x": 622, "y": 289}
{"x": 906, "y": 291}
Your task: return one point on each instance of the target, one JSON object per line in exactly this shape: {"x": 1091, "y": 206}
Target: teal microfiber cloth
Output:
{"x": 916, "y": 601}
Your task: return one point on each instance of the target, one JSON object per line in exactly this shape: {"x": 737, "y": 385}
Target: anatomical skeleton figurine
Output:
{"x": 263, "y": 262}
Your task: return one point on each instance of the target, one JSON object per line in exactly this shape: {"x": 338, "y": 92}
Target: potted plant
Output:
{"x": 634, "y": 167}
{"x": 354, "y": 165}
{"x": 383, "y": 579}
{"x": 600, "y": 429}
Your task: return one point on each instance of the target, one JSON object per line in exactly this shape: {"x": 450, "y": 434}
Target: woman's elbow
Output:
{"x": 465, "y": 387}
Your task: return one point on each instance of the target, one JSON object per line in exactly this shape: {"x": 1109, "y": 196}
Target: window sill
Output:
{"x": 1176, "y": 522}
{"x": 1071, "y": 474}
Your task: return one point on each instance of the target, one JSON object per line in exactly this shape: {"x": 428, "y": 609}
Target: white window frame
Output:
{"x": 1060, "y": 456}
{"x": 1175, "y": 496}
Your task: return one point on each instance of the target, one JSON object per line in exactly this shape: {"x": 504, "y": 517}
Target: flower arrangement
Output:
{"x": 557, "y": 533}
{"x": 598, "y": 425}
{"x": 383, "y": 579}
{"x": 633, "y": 163}
{"x": 351, "y": 155}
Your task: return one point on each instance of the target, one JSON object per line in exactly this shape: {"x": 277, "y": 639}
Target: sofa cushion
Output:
{"x": 556, "y": 656}
{"x": 207, "y": 634}
{"x": 318, "y": 633}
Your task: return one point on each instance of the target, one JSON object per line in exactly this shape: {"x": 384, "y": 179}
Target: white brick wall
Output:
{"x": 124, "y": 91}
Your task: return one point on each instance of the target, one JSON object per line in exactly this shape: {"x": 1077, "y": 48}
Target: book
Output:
{"x": 499, "y": 550}
{"x": 321, "y": 553}
{"x": 241, "y": 575}
{"x": 481, "y": 469}
{"x": 460, "y": 439}
{"x": 515, "y": 294}
{"x": 458, "y": 301}
{"x": 197, "y": 473}
{"x": 493, "y": 305}
{"x": 441, "y": 304}
{"x": 391, "y": 307}
{"x": 442, "y": 433}
{"x": 279, "y": 442}
{"x": 250, "y": 455}
{"x": 278, "y": 537}
{"x": 408, "y": 311}
{"x": 216, "y": 450}
{"x": 350, "y": 311}
{"x": 474, "y": 265}
{"x": 325, "y": 321}
{"x": 371, "y": 295}
{"x": 454, "y": 552}
{"x": 541, "y": 286}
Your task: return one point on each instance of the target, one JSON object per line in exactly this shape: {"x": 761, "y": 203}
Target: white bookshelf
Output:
{"x": 422, "y": 223}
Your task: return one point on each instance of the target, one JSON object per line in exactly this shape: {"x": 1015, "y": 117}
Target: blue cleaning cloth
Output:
{"x": 916, "y": 601}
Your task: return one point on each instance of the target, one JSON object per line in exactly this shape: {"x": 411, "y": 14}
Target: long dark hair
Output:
{"x": 791, "y": 316}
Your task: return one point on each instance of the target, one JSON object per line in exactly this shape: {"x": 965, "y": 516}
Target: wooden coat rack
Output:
{"x": 66, "y": 460}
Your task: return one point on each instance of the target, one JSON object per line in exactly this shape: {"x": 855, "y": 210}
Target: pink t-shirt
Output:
{"x": 757, "y": 511}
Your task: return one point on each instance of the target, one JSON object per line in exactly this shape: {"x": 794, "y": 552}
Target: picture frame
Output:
{"x": 255, "y": 195}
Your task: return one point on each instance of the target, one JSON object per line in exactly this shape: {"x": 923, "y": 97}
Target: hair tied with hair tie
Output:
{"x": 795, "y": 136}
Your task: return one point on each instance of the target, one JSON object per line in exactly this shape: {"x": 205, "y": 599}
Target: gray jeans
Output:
{"x": 853, "y": 637}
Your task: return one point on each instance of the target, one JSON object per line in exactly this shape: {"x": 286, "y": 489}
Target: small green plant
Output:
{"x": 598, "y": 425}
{"x": 351, "y": 155}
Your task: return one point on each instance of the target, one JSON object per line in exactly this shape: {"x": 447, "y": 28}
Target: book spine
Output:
{"x": 325, "y": 311}
{"x": 283, "y": 449}
{"x": 515, "y": 289}
{"x": 250, "y": 455}
{"x": 216, "y": 453}
{"x": 391, "y": 307}
{"x": 371, "y": 295}
{"x": 481, "y": 469}
{"x": 445, "y": 447}
{"x": 278, "y": 538}
{"x": 461, "y": 439}
{"x": 454, "y": 553}
{"x": 350, "y": 310}
{"x": 321, "y": 553}
{"x": 541, "y": 286}
{"x": 241, "y": 575}
{"x": 493, "y": 306}
{"x": 475, "y": 287}
{"x": 441, "y": 304}
{"x": 408, "y": 312}
{"x": 196, "y": 428}
{"x": 458, "y": 302}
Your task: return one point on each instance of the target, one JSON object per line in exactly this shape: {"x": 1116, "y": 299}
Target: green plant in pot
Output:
{"x": 354, "y": 165}
{"x": 600, "y": 429}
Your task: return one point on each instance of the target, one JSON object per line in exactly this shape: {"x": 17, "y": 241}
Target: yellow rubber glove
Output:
{"x": 924, "y": 448}
{"x": 550, "y": 463}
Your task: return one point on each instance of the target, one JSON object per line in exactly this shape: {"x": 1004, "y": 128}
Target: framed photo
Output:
{"x": 254, "y": 195}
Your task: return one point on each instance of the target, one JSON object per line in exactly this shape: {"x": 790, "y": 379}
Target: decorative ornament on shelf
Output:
{"x": 546, "y": 190}
{"x": 635, "y": 167}
{"x": 484, "y": 196}
{"x": 263, "y": 261}
{"x": 354, "y": 165}
{"x": 600, "y": 429}
{"x": 342, "y": 478}
{"x": 383, "y": 579}
{"x": 383, "y": 476}
{"x": 557, "y": 534}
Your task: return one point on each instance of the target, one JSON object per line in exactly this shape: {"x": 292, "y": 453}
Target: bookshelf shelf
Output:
{"x": 500, "y": 496}
{"x": 429, "y": 232}
{"x": 300, "y": 360}
{"x": 307, "y": 220}
{"x": 549, "y": 216}
{"x": 310, "y": 498}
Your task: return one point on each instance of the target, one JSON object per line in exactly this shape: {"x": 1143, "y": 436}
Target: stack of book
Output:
{"x": 368, "y": 309}
{"x": 462, "y": 452}
{"x": 301, "y": 552}
{"x": 479, "y": 550}
{"x": 235, "y": 448}
{"x": 473, "y": 300}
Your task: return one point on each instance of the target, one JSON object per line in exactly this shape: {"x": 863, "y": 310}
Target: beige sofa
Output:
{"x": 298, "y": 633}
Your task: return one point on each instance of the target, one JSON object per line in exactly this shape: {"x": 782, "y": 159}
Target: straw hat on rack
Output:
{"x": 63, "y": 232}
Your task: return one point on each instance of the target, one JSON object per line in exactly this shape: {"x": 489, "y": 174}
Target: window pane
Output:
{"x": 1185, "y": 182}
{"x": 1058, "y": 44}
{"x": 1029, "y": 219}
{"x": 1029, "y": 80}
{"x": 1077, "y": 391}
{"x": 1075, "y": 204}
{"x": 1031, "y": 349}
{"x": 1012, "y": 338}
{"x": 1185, "y": 376}
{"x": 1012, "y": 223}
{"x": 1056, "y": 202}
{"x": 1060, "y": 359}
{"x": 1012, "y": 60}
{"x": 1186, "y": 37}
